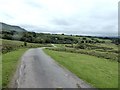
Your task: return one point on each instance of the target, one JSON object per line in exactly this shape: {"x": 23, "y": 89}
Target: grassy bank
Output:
{"x": 100, "y": 73}
{"x": 9, "y": 64}
{"x": 11, "y": 45}
{"x": 104, "y": 55}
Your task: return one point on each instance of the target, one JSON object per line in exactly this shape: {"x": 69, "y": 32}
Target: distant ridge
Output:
{"x": 7, "y": 27}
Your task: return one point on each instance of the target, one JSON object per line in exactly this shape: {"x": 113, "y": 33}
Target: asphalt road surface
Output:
{"x": 38, "y": 70}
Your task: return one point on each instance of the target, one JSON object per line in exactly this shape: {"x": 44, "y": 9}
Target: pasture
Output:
{"x": 100, "y": 73}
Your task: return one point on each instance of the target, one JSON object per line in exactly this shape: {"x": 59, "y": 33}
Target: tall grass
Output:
{"x": 10, "y": 45}
{"x": 106, "y": 55}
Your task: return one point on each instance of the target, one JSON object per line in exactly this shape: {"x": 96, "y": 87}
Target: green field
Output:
{"x": 94, "y": 59}
{"x": 9, "y": 65}
{"x": 107, "y": 51}
{"x": 100, "y": 73}
{"x": 94, "y": 69}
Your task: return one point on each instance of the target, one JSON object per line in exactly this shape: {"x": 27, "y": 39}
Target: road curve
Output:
{"x": 38, "y": 70}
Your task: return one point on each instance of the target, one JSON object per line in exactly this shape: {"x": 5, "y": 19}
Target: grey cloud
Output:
{"x": 35, "y": 28}
{"x": 101, "y": 20}
{"x": 62, "y": 21}
{"x": 108, "y": 30}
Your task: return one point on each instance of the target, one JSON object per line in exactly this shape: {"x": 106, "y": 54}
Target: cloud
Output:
{"x": 88, "y": 17}
{"x": 33, "y": 4}
{"x": 61, "y": 22}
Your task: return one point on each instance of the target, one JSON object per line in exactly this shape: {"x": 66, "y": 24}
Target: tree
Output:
{"x": 81, "y": 46}
{"x": 7, "y": 36}
{"x": 25, "y": 43}
{"x": 84, "y": 38}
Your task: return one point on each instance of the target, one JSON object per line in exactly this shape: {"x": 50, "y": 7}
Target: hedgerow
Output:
{"x": 106, "y": 55}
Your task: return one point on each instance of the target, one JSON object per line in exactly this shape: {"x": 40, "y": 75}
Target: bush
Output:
{"x": 106, "y": 55}
{"x": 81, "y": 46}
{"x": 25, "y": 43}
{"x": 10, "y": 45}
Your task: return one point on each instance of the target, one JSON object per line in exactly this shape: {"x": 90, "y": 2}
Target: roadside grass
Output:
{"x": 60, "y": 45}
{"x": 100, "y": 73}
{"x": 11, "y": 45}
{"x": 9, "y": 65}
{"x": 11, "y": 51}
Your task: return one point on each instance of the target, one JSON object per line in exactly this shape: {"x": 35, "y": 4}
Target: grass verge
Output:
{"x": 99, "y": 72}
{"x": 9, "y": 64}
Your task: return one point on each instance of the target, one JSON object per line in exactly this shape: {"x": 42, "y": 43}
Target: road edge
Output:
{"x": 88, "y": 85}
{"x": 14, "y": 80}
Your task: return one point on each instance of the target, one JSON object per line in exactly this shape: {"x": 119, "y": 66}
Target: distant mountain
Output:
{"x": 6, "y": 27}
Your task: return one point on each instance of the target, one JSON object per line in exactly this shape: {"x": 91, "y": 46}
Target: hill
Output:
{"x": 6, "y": 27}
{"x": 12, "y": 32}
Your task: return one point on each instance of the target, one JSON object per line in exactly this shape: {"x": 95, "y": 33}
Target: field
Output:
{"x": 95, "y": 63}
{"x": 92, "y": 58}
{"x": 99, "y": 72}
{"x": 10, "y": 45}
{"x": 108, "y": 50}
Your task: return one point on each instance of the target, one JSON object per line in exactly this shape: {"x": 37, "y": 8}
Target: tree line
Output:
{"x": 43, "y": 38}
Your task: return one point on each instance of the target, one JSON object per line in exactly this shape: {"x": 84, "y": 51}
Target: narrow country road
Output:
{"x": 38, "y": 70}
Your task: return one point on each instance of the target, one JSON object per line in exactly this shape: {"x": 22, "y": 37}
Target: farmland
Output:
{"x": 108, "y": 51}
{"x": 99, "y": 72}
{"x": 96, "y": 63}
{"x": 10, "y": 45}
{"x": 98, "y": 58}
{"x": 93, "y": 59}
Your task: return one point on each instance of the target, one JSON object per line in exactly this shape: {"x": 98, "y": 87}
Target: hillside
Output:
{"x": 6, "y": 27}
{"x": 12, "y": 32}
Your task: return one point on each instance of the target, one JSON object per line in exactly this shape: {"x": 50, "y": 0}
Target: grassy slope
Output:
{"x": 14, "y": 42}
{"x": 101, "y": 73}
{"x": 9, "y": 64}
{"x": 11, "y": 45}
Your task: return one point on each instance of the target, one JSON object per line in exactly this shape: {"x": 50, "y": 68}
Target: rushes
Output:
{"x": 106, "y": 55}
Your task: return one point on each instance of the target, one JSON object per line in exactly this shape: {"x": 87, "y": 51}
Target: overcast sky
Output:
{"x": 83, "y": 17}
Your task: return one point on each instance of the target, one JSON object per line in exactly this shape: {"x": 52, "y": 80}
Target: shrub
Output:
{"x": 106, "y": 55}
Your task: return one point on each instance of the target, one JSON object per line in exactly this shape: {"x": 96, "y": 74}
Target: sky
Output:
{"x": 78, "y": 17}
